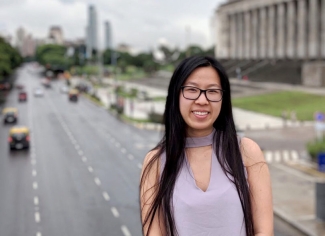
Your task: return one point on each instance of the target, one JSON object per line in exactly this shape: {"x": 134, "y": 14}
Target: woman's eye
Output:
{"x": 213, "y": 91}
{"x": 193, "y": 90}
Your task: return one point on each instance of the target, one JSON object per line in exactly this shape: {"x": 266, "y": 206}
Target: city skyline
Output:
{"x": 140, "y": 25}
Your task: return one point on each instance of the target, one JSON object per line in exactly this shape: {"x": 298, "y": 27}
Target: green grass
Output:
{"x": 98, "y": 102}
{"x": 274, "y": 104}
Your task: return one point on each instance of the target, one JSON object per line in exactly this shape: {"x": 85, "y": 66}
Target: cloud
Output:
{"x": 139, "y": 23}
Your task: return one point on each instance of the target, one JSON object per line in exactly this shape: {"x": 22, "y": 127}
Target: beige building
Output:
{"x": 274, "y": 31}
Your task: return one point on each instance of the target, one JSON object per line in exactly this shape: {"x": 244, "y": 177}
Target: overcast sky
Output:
{"x": 138, "y": 23}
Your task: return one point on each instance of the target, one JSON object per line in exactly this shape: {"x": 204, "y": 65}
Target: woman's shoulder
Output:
{"x": 251, "y": 152}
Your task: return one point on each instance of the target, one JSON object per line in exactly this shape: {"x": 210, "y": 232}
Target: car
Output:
{"x": 38, "y": 92}
{"x": 73, "y": 95}
{"x": 22, "y": 96}
{"x": 10, "y": 115}
{"x": 64, "y": 89}
{"x": 19, "y": 137}
{"x": 19, "y": 86}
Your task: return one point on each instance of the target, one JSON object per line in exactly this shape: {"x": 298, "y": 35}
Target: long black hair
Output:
{"x": 173, "y": 144}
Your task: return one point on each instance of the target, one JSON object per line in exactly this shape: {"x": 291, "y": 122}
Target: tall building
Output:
{"x": 56, "y": 35}
{"x": 273, "y": 35}
{"x": 91, "y": 31}
{"x": 108, "y": 35}
{"x": 20, "y": 37}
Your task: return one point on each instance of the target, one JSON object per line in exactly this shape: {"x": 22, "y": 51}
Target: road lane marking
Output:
{"x": 285, "y": 155}
{"x": 33, "y": 161}
{"x": 37, "y": 217}
{"x": 97, "y": 181}
{"x": 38, "y": 234}
{"x": 80, "y": 153}
{"x": 106, "y": 196}
{"x": 90, "y": 169}
{"x": 84, "y": 159}
{"x": 35, "y": 185}
{"x": 294, "y": 155}
{"x": 125, "y": 231}
{"x": 117, "y": 144}
{"x": 123, "y": 150}
{"x": 140, "y": 165}
{"x": 115, "y": 212}
{"x": 268, "y": 156}
{"x": 36, "y": 201}
{"x": 77, "y": 147}
{"x": 277, "y": 156}
{"x": 34, "y": 173}
{"x": 130, "y": 157}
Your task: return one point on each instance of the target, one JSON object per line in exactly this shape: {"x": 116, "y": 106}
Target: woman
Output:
{"x": 201, "y": 179}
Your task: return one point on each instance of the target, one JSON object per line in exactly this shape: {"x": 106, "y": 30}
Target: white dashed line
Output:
{"x": 115, "y": 212}
{"x": 117, "y": 144}
{"x": 38, "y": 234}
{"x": 84, "y": 159}
{"x": 35, "y": 185}
{"x": 33, "y": 162}
{"x": 77, "y": 147}
{"x": 34, "y": 173}
{"x": 106, "y": 196}
{"x": 294, "y": 155}
{"x": 268, "y": 156}
{"x": 285, "y": 154}
{"x": 37, "y": 217}
{"x": 125, "y": 231}
{"x": 36, "y": 201}
{"x": 90, "y": 169}
{"x": 130, "y": 157}
{"x": 97, "y": 181}
{"x": 80, "y": 153}
{"x": 140, "y": 165}
{"x": 277, "y": 156}
{"x": 123, "y": 150}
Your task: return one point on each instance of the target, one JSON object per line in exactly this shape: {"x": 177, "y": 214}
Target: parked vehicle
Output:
{"x": 19, "y": 137}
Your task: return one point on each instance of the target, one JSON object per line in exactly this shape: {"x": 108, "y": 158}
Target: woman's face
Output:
{"x": 200, "y": 114}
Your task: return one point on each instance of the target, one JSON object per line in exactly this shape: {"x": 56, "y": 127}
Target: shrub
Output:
{"x": 315, "y": 147}
{"x": 156, "y": 118}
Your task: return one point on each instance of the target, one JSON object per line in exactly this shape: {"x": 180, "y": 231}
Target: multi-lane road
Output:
{"x": 81, "y": 174}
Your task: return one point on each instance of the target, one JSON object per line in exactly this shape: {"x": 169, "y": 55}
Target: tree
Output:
{"x": 53, "y": 55}
{"x": 9, "y": 59}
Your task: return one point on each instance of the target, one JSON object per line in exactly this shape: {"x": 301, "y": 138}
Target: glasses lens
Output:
{"x": 191, "y": 92}
{"x": 214, "y": 95}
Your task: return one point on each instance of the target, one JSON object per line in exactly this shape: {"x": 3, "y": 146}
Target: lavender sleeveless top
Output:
{"x": 217, "y": 211}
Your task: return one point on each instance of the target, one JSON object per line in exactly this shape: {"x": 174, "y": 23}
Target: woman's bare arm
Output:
{"x": 148, "y": 193}
{"x": 260, "y": 187}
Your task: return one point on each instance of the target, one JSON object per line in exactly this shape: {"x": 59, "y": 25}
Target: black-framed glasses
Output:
{"x": 193, "y": 93}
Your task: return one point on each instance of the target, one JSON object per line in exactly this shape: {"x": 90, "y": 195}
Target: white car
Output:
{"x": 38, "y": 92}
{"x": 64, "y": 89}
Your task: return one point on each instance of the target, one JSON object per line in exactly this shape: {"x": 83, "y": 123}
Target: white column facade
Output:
{"x": 232, "y": 36}
{"x": 323, "y": 29}
{"x": 240, "y": 38}
{"x": 263, "y": 33}
{"x": 291, "y": 29}
{"x": 248, "y": 29}
{"x": 302, "y": 30}
{"x": 254, "y": 35}
{"x": 222, "y": 36}
{"x": 271, "y": 32}
{"x": 281, "y": 31}
{"x": 313, "y": 29}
